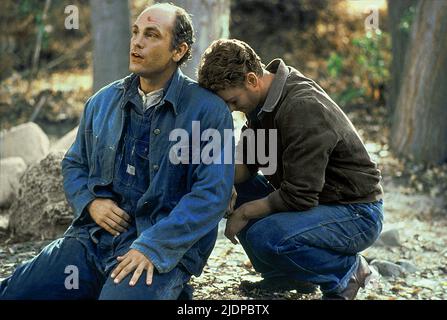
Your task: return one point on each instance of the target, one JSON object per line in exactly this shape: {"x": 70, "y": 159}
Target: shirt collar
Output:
{"x": 151, "y": 99}
{"x": 281, "y": 71}
{"x": 173, "y": 88}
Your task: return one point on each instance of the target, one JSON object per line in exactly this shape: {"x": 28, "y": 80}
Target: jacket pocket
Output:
{"x": 142, "y": 149}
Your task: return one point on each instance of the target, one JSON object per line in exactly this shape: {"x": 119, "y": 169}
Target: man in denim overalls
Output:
{"x": 143, "y": 222}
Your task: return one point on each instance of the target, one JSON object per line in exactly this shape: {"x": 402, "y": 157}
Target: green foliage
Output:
{"x": 335, "y": 65}
{"x": 40, "y": 25}
{"x": 370, "y": 56}
{"x": 349, "y": 95}
{"x": 367, "y": 60}
{"x": 26, "y": 7}
{"x": 407, "y": 19}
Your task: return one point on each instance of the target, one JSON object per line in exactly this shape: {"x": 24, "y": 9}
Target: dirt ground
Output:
{"x": 423, "y": 244}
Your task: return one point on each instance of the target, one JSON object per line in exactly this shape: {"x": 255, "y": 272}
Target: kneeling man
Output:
{"x": 307, "y": 221}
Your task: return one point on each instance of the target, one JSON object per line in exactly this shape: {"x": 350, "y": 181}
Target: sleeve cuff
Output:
{"x": 148, "y": 253}
{"x": 277, "y": 202}
{"x": 82, "y": 202}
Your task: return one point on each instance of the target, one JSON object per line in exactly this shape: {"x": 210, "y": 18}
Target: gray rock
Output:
{"x": 426, "y": 283}
{"x": 4, "y": 221}
{"x": 27, "y": 141}
{"x": 408, "y": 266}
{"x": 388, "y": 269}
{"x": 64, "y": 143}
{"x": 11, "y": 169}
{"x": 40, "y": 210}
{"x": 389, "y": 238}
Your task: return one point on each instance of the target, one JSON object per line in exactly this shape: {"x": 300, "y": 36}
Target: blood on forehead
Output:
{"x": 154, "y": 19}
{"x": 150, "y": 19}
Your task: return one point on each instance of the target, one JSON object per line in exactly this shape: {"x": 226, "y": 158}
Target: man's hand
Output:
{"x": 239, "y": 219}
{"x": 109, "y": 216}
{"x": 133, "y": 260}
{"x": 235, "y": 223}
{"x": 233, "y": 199}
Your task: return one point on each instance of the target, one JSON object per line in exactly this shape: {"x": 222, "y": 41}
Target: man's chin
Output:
{"x": 134, "y": 69}
{"x": 138, "y": 70}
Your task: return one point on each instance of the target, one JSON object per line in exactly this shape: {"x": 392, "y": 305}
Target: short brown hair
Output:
{"x": 226, "y": 63}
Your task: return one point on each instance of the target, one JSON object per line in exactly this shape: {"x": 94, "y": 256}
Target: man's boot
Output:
{"x": 360, "y": 278}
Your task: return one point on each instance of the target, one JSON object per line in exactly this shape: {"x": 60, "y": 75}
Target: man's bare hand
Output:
{"x": 241, "y": 216}
{"x": 133, "y": 260}
{"x": 109, "y": 216}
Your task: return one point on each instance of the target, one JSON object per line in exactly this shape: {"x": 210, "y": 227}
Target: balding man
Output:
{"x": 144, "y": 222}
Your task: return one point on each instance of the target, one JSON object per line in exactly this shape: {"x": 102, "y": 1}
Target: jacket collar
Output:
{"x": 281, "y": 71}
{"x": 174, "y": 88}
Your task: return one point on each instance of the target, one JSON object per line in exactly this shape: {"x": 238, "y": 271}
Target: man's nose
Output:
{"x": 137, "y": 42}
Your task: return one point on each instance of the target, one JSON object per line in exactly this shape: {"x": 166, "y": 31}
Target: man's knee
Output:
{"x": 167, "y": 286}
{"x": 263, "y": 240}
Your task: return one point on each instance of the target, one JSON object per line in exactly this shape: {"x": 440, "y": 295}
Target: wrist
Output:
{"x": 89, "y": 205}
{"x": 256, "y": 209}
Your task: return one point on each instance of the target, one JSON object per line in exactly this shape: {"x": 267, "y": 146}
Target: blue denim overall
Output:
{"x": 95, "y": 258}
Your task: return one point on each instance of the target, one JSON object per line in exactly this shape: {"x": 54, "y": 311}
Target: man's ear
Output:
{"x": 180, "y": 51}
{"x": 251, "y": 79}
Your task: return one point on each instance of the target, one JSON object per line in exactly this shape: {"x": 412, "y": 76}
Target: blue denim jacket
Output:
{"x": 177, "y": 217}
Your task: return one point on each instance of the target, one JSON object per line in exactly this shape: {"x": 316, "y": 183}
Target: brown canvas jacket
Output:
{"x": 320, "y": 156}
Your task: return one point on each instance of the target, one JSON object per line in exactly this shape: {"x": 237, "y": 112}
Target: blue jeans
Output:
{"x": 45, "y": 276}
{"x": 320, "y": 245}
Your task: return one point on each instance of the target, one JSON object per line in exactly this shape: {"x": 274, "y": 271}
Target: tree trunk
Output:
{"x": 211, "y": 20}
{"x": 399, "y": 37}
{"x": 111, "y": 38}
{"x": 419, "y": 128}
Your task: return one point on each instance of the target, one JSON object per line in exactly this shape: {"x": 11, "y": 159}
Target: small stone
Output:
{"x": 4, "y": 221}
{"x": 408, "y": 266}
{"x": 248, "y": 264}
{"x": 426, "y": 283}
{"x": 388, "y": 269}
{"x": 389, "y": 238}
{"x": 226, "y": 278}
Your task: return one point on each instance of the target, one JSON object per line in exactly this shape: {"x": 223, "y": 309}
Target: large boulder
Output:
{"x": 64, "y": 143}
{"x": 27, "y": 141}
{"x": 40, "y": 210}
{"x": 11, "y": 169}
